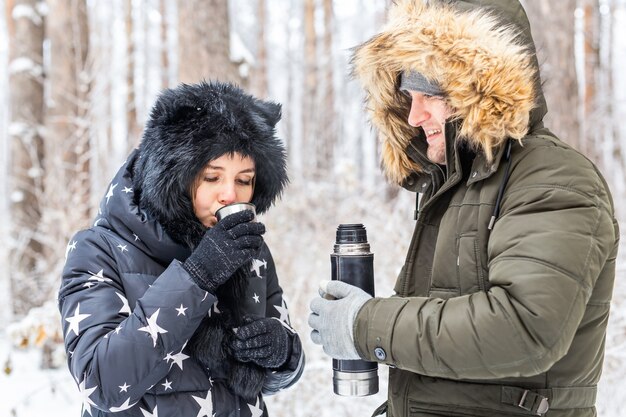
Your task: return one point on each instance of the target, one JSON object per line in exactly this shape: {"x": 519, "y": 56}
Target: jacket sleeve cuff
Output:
{"x": 289, "y": 373}
{"x": 374, "y": 328}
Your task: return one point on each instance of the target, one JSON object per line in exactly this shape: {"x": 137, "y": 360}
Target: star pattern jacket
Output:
{"x": 502, "y": 305}
{"x": 129, "y": 309}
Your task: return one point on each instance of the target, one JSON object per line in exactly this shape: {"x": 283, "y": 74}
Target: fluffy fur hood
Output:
{"x": 188, "y": 127}
{"x": 482, "y": 55}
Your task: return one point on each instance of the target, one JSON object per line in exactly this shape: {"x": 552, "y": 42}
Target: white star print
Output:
{"x": 284, "y": 313}
{"x": 124, "y": 388}
{"x": 153, "y": 328}
{"x": 85, "y": 393}
{"x": 154, "y": 412}
{"x": 181, "y": 310}
{"x": 256, "y": 298}
{"x": 206, "y": 405}
{"x": 110, "y": 192}
{"x": 136, "y": 237}
{"x": 118, "y": 328}
{"x": 99, "y": 276}
{"x": 96, "y": 222}
{"x": 178, "y": 358}
{"x": 70, "y": 247}
{"x": 125, "y": 307}
{"x": 88, "y": 284}
{"x": 255, "y": 410}
{"x": 168, "y": 384}
{"x": 125, "y": 406}
{"x": 127, "y": 190}
{"x": 75, "y": 320}
{"x": 122, "y": 247}
{"x": 256, "y": 266}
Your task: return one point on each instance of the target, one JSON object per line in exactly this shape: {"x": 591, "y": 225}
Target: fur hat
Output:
{"x": 191, "y": 125}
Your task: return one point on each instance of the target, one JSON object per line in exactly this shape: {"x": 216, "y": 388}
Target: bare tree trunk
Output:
{"x": 291, "y": 116}
{"x": 67, "y": 146}
{"x": 555, "y": 50}
{"x": 6, "y": 307}
{"x": 134, "y": 129}
{"x": 26, "y": 147}
{"x": 591, "y": 62}
{"x": 327, "y": 120}
{"x": 260, "y": 81}
{"x": 309, "y": 95}
{"x": 165, "y": 59}
{"x": 204, "y": 42}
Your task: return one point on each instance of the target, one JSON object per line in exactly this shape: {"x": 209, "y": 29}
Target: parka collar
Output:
{"x": 120, "y": 213}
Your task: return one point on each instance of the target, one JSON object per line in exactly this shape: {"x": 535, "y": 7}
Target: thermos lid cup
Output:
{"x": 234, "y": 208}
{"x": 351, "y": 233}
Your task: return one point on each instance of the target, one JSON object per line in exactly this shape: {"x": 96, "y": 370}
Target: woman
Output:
{"x": 165, "y": 310}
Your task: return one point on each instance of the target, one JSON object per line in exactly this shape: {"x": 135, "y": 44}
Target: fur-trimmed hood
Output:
{"x": 482, "y": 55}
{"x": 191, "y": 125}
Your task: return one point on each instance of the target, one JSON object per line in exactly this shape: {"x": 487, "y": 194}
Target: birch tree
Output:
{"x": 67, "y": 148}
{"x": 204, "y": 42}
{"x": 259, "y": 82}
{"x": 26, "y": 78}
{"x": 555, "y": 50}
{"x": 327, "y": 121}
{"x": 309, "y": 93}
{"x": 6, "y": 310}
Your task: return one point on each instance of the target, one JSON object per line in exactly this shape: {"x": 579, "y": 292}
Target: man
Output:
{"x": 502, "y": 304}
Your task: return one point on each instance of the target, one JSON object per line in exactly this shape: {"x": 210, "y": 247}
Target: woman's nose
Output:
{"x": 418, "y": 113}
{"x": 227, "y": 194}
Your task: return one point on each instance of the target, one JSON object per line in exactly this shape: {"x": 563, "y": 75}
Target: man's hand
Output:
{"x": 332, "y": 318}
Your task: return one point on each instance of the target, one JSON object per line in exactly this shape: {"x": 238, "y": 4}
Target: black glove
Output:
{"x": 224, "y": 248}
{"x": 265, "y": 342}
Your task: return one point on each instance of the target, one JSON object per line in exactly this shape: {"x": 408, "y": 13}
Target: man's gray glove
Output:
{"x": 265, "y": 342}
{"x": 332, "y": 318}
{"x": 224, "y": 248}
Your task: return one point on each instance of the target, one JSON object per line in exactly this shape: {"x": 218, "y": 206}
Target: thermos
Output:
{"x": 353, "y": 263}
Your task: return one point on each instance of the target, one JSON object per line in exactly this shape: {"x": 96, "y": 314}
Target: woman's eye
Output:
{"x": 210, "y": 179}
{"x": 245, "y": 182}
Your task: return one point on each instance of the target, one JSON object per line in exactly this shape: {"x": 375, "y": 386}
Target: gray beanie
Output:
{"x": 414, "y": 81}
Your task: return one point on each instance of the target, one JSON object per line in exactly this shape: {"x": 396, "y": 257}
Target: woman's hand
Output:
{"x": 265, "y": 342}
{"x": 224, "y": 248}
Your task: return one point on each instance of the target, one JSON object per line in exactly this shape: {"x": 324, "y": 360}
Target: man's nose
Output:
{"x": 418, "y": 113}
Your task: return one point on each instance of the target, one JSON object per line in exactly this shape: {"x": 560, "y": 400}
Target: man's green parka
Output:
{"x": 503, "y": 301}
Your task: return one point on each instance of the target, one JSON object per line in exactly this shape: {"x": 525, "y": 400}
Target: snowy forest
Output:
{"x": 78, "y": 78}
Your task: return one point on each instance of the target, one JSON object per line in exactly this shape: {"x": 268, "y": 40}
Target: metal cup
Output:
{"x": 234, "y": 208}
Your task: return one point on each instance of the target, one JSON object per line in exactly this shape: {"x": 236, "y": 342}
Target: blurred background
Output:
{"x": 78, "y": 78}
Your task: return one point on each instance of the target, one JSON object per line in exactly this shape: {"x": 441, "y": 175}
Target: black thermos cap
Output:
{"x": 351, "y": 233}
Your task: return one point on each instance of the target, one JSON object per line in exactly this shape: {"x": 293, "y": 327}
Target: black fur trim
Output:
{"x": 210, "y": 344}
